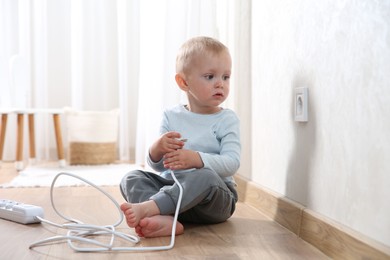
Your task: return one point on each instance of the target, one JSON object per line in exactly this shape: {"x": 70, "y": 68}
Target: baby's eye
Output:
{"x": 226, "y": 77}
{"x": 209, "y": 76}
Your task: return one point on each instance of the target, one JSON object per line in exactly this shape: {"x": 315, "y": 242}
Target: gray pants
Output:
{"x": 206, "y": 198}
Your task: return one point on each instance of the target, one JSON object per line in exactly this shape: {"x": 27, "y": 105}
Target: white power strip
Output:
{"x": 20, "y": 212}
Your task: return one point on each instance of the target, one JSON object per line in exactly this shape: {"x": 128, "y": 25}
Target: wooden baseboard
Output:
{"x": 333, "y": 239}
{"x": 284, "y": 211}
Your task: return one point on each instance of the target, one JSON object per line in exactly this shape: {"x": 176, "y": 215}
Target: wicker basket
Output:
{"x": 92, "y": 153}
{"x": 92, "y": 136}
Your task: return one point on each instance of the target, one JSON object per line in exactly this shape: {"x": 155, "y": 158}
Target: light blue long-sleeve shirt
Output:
{"x": 216, "y": 137}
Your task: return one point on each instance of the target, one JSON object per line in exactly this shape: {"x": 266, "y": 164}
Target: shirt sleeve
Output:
{"x": 157, "y": 166}
{"x": 227, "y": 162}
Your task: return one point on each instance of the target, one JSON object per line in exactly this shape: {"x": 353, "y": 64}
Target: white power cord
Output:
{"x": 78, "y": 231}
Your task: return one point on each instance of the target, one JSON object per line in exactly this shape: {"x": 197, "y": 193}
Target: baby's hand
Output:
{"x": 171, "y": 141}
{"x": 182, "y": 159}
{"x": 167, "y": 143}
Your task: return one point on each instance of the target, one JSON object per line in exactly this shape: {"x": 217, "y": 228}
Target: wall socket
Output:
{"x": 301, "y": 102}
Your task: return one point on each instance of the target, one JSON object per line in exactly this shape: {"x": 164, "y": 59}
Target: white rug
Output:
{"x": 43, "y": 175}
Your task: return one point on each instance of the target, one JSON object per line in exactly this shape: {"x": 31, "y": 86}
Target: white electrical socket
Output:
{"x": 301, "y": 104}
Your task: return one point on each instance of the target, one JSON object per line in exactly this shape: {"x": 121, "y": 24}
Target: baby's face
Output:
{"x": 208, "y": 82}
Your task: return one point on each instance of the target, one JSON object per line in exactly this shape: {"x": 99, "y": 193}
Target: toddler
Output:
{"x": 204, "y": 164}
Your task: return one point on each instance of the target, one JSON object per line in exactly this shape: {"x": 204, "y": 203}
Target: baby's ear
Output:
{"x": 181, "y": 82}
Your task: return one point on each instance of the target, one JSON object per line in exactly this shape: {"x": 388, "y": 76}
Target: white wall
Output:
{"x": 337, "y": 164}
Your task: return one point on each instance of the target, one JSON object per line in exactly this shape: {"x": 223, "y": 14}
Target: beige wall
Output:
{"x": 337, "y": 164}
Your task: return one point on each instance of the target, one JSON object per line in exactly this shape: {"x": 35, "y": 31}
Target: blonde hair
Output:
{"x": 195, "y": 46}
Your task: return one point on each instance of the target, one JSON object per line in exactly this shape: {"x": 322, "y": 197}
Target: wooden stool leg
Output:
{"x": 4, "y": 118}
{"x": 31, "y": 133}
{"x": 60, "y": 147}
{"x": 19, "y": 143}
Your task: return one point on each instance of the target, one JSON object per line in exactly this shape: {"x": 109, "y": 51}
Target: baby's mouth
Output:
{"x": 218, "y": 95}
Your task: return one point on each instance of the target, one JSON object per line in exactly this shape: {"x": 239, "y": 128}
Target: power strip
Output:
{"x": 20, "y": 212}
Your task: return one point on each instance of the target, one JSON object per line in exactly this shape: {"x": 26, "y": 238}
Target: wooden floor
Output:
{"x": 247, "y": 235}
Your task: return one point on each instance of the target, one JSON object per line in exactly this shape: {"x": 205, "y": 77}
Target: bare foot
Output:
{"x": 158, "y": 226}
{"x": 134, "y": 212}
